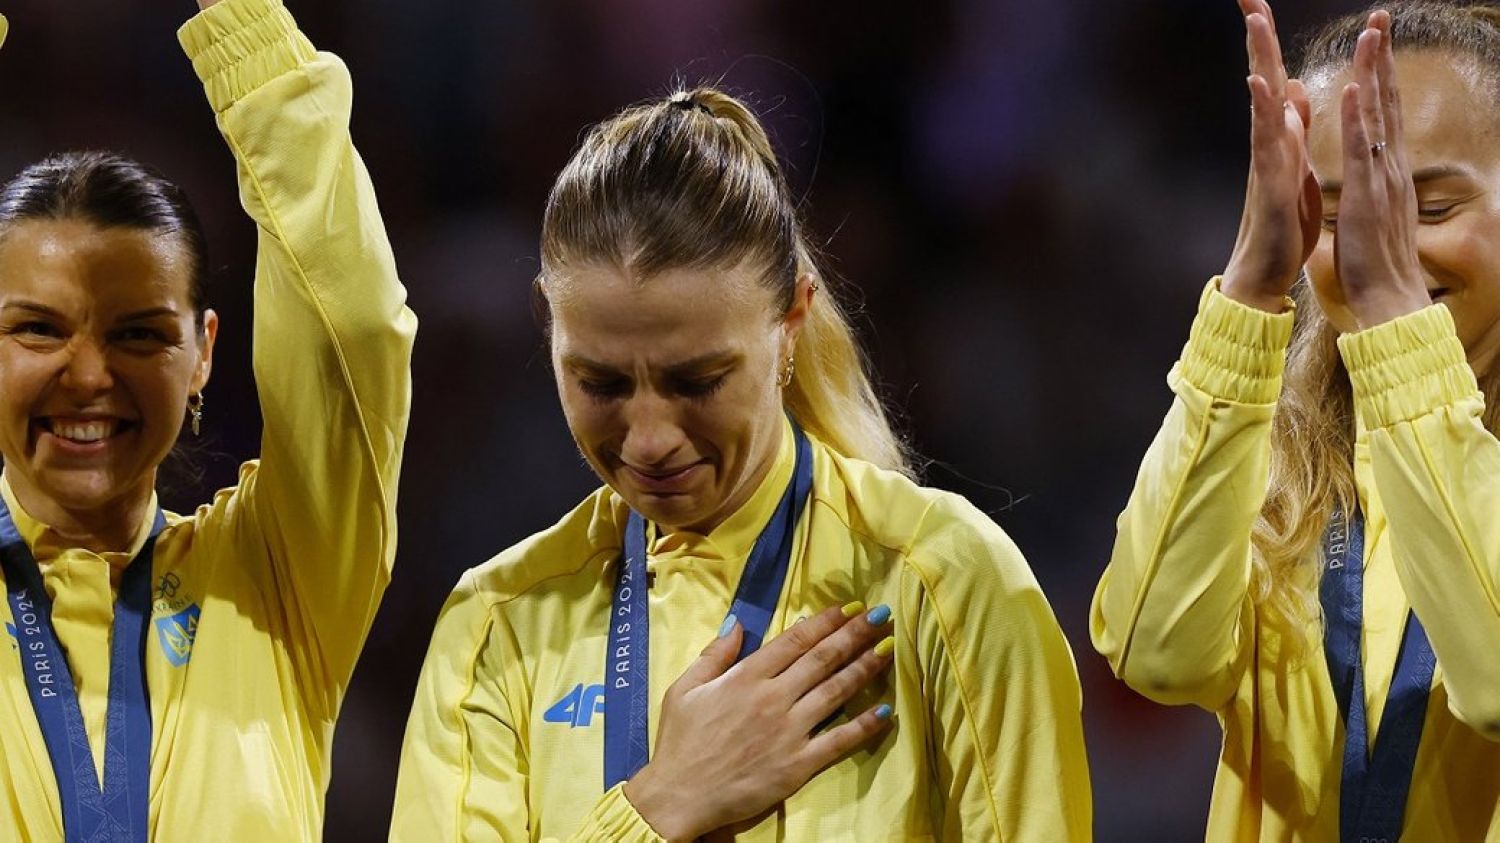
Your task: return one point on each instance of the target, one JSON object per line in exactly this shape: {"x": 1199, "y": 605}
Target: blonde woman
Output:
{"x": 1311, "y": 550}
{"x": 751, "y": 480}
{"x": 178, "y": 677}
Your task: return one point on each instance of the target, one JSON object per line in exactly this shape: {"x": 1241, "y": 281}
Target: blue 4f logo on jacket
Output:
{"x": 578, "y": 706}
{"x": 177, "y": 633}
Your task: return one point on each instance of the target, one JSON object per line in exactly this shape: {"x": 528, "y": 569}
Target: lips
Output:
{"x": 664, "y": 481}
{"x": 83, "y": 432}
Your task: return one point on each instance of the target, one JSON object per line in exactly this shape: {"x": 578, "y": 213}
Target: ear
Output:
{"x": 206, "y": 337}
{"x": 797, "y": 315}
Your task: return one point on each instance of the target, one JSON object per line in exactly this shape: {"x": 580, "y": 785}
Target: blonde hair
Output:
{"x": 1312, "y": 433}
{"x": 691, "y": 181}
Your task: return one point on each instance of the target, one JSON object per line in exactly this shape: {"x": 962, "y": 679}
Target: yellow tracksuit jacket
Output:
{"x": 1174, "y": 615}
{"x": 505, "y": 740}
{"x": 263, "y": 597}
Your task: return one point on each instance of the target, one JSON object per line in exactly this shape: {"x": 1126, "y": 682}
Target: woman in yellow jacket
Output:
{"x": 1312, "y": 550}
{"x": 752, "y": 479}
{"x": 178, "y": 677}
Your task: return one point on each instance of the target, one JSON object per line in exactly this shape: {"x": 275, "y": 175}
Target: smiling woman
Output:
{"x": 180, "y": 675}
{"x": 109, "y": 340}
{"x": 1311, "y": 550}
{"x": 752, "y": 480}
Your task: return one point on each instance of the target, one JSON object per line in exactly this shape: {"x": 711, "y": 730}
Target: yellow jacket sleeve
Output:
{"x": 1437, "y": 470}
{"x": 1003, "y": 697}
{"x": 463, "y": 772}
{"x": 1173, "y": 611}
{"x": 332, "y": 336}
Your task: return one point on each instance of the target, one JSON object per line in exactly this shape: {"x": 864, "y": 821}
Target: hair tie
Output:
{"x": 687, "y": 102}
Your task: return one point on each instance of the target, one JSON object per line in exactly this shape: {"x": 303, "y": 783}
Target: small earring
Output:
{"x": 195, "y": 408}
{"x": 785, "y": 380}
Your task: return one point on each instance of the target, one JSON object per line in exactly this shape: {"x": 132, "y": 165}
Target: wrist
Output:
{"x": 1269, "y": 298}
{"x": 1381, "y": 306}
{"x": 661, "y": 805}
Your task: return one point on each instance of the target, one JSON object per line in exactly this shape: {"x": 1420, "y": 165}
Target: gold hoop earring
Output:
{"x": 787, "y": 370}
{"x": 195, "y": 409}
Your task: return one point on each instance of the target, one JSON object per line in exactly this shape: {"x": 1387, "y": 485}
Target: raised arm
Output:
{"x": 1436, "y": 465}
{"x": 332, "y": 334}
{"x": 1172, "y": 612}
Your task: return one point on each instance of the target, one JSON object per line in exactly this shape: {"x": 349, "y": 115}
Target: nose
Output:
{"x": 653, "y": 432}
{"x": 87, "y": 371}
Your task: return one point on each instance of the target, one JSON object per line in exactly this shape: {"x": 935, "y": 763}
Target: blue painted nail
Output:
{"x": 879, "y": 615}
{"x": 883, "y": 712}
{"x": 728, "y": 626}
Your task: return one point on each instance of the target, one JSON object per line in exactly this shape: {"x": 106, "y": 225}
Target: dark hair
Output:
{"x": 1472, "y": 30}
{"x": 109, "y": 190}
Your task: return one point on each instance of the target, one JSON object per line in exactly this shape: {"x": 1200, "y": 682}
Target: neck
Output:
{"x": 110, "y": 527}
{"x": 1484, "y": 353}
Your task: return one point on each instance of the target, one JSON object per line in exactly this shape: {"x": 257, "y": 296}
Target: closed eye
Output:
{"x": 604, "y": 389}
{"x": 700, "y": 387}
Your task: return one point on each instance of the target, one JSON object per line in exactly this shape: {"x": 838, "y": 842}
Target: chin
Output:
{"x": 77, "y": 490}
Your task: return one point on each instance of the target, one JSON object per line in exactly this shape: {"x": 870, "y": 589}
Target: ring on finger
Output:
{"x": 1377, "y": 148}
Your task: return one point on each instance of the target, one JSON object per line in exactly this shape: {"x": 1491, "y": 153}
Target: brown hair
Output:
{"x": 691, "y": 181}
{"x": 1312, "y": 434}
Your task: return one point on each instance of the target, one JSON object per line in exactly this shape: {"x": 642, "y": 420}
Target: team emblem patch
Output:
{"x": 176, "y": 634}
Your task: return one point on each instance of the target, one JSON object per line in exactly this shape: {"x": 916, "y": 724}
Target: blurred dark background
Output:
{"x": 1026, "y": 197}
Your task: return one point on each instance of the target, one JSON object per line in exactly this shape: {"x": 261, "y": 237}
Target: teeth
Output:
{"x": 89, "y": 431}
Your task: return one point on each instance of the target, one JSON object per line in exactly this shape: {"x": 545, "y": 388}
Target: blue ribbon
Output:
{"x": 1374, "y": 785}
{"x": 626, "y": 682}
{"x": 114, "y": 812}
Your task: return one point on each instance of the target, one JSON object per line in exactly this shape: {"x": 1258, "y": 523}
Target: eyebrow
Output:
{"x": 702, "y": 361}
{"x": 1422, "y": 176}
{"x": 44, "y": 310}
{"x": 34, "y": 307}
{"x": 149, "y": 313}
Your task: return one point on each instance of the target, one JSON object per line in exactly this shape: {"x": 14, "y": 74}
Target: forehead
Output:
{"x": 1448, "y": 109}
{"x": 65, "y": 261}
{"x": 607, "y": 314}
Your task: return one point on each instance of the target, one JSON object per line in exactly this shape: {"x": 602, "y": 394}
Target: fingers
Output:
{"x": 1385, "y": 76}
{"x": 715, "y": 659}
{"x": 776, "y": 655}
{"x": 824, "y": 700}
{"x": 1371, "y": 109}
{"x": 834, "y": 652}
{"x": 830, "y": 746}
{"x": 1265, "y": 53}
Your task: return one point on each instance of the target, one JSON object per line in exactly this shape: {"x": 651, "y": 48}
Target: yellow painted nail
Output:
{"x": 886, "y": 646}
{"x": 852, "y": 609}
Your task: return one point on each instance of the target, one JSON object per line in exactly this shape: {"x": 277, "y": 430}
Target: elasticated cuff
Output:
{"x": 238, "y": 45}
{"x": 1407, "y": 367}
{"x": 1236, "y": 352}
{"x": 615, "y": 819}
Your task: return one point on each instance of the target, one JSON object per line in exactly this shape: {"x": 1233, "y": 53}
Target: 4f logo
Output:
{"x": 578, "y": 706}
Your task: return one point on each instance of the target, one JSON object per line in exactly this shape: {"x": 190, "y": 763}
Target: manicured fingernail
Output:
{"x": 852, "y": 609}
{"x": 728, "y": 626}
{"x": 885, "y": 647}
{"x": 883, "y": 712}
{"x": 879, "y": 615}
{"x": 800, "y": 619}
